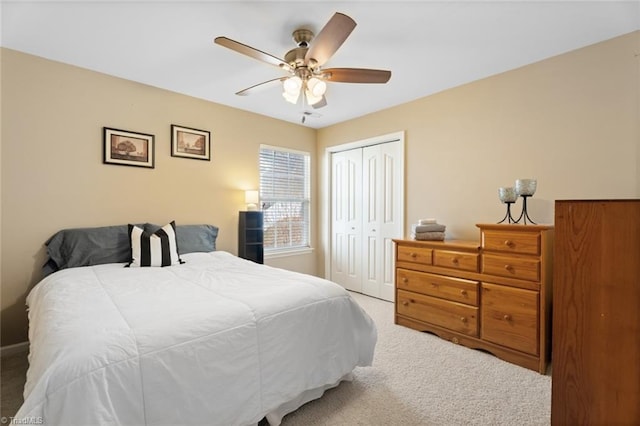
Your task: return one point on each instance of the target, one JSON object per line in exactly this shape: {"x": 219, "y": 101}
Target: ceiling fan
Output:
{"x": 304, "y": 63}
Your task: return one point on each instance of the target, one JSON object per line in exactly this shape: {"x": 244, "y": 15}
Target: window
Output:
{"x": 284, "y": 197}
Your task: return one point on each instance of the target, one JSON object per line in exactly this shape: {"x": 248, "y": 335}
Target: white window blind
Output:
{"x": 285, "y": 197}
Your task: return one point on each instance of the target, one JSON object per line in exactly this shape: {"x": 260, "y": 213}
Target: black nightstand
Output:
{"x": 250, "y": 236}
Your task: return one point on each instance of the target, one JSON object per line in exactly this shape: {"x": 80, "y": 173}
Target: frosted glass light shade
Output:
{"x": 316, "y": 87}
{"x": 507, "y": 194}
{"x": 290, "y": 98}
{"x": 311, "y": 98}
{"x": 526, "y": 187}
{"x": 292, "y": 85}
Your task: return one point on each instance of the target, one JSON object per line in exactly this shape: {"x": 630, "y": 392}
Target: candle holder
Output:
{"x": 525, "y": 188}
{"x": 508, "y": 196}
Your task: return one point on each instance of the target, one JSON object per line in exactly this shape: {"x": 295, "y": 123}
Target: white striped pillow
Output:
{"x": 154, "y": 249}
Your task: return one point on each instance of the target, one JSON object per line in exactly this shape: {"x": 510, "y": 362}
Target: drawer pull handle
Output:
{"x": 405, "y": 303}
{"x": 463, "y": 319}
{"x": 507, "y": 317}
{"x": 455, "y": 261}
{"x": 405, "y": 279}
{"x": 509, "y": 243}
{"x": 414, "y": 255}
{"x": 434, "y": 285}
{"x": 463, "y": 292}
{"x": 508, "y": 268}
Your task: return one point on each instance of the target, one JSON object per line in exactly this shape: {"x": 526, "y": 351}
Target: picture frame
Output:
{"x": 192, "y": 143}
{"x": 127, "y": 148}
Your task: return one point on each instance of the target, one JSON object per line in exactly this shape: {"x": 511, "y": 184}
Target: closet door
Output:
{"x": 382, "y": 207}
{"x": 346, "y": 219}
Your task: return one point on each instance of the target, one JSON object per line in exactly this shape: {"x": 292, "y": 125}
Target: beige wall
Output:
{"x": 570, "y": 121}
{"x": 53, "y": 176}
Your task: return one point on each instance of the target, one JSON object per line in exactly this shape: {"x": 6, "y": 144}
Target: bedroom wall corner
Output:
{"x": 53, "y": 176}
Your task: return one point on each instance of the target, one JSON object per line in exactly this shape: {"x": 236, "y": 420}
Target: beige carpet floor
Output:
{"x": 416, "y": 379}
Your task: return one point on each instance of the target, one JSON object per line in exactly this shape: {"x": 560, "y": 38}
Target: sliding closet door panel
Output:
{"x": 346, "y": 219}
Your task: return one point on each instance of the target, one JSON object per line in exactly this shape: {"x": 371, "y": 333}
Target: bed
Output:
{"x": 211, "y": 339}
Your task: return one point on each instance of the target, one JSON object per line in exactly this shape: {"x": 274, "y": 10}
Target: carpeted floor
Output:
{"x": 416, "y": 379}
{"x": 13, "y": 370}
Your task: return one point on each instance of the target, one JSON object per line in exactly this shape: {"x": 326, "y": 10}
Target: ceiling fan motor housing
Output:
{"x": 296, "y": 57}
{"x": 302, "y": 37}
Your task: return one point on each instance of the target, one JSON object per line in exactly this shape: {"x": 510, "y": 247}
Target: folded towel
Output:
{"x": 432, "y": 227}
{"x": 428, "y": 236}
{"x": 426, "y": 221}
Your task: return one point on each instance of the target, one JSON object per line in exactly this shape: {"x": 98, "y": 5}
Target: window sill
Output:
{"x": 287, "y": 252}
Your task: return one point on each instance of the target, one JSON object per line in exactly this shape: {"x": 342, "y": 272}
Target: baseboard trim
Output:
{"x": 14, "y": 349}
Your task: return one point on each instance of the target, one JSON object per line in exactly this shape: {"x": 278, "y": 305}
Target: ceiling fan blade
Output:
{"x": 330, "y": 38}
{"x": 321, "y": 103}
{"x": 356, "y": 75}
{"x": 251, "y": 52}
{"x": 260, "y": 86}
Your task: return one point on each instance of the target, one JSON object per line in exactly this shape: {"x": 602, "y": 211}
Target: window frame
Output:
{"x": 272, "y": 252}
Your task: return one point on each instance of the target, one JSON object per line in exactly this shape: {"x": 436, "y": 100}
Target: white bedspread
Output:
{"x": 216, "y": 341}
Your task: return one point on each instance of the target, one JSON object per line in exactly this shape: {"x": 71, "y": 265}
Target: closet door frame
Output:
{"x": 328, "y": 233}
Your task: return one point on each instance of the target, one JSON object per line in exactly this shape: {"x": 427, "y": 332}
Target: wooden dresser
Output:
{"x": 494, "y": 294}
{"x": 596, "y": 321}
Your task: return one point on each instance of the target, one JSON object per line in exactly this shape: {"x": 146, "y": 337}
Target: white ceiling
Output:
{"x": 429, "y": 46}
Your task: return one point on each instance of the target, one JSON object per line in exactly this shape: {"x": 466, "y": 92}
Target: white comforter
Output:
{"x": 216, "y": 341}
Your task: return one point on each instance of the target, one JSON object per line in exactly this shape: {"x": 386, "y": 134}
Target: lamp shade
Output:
{"x": 251, "y": 198}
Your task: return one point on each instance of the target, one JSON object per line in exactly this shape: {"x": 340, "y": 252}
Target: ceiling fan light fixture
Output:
{"x": 311, "y": 98}
{"x": 292, "y": 86}
{"x": 307, "y": 79}
{"x": 291, "y": 98}
{"x": 317, "y": 87}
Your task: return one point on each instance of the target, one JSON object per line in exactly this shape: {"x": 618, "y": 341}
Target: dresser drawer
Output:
{"x": 510, "y": 317}
{"x": 456, "y": 260}
{"x": 512, "y": 267}
{"x": 420, "y": 255}
{"x": 449, "y": 288}
{"x": 511, "y": 242}
{"x": 451, "y": 315}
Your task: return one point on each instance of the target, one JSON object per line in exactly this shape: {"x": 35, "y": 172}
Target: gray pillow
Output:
{"x": 71, "y": 248}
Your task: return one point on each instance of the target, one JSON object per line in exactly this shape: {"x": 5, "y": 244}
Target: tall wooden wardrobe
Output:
{"x": 596, "y": 313}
